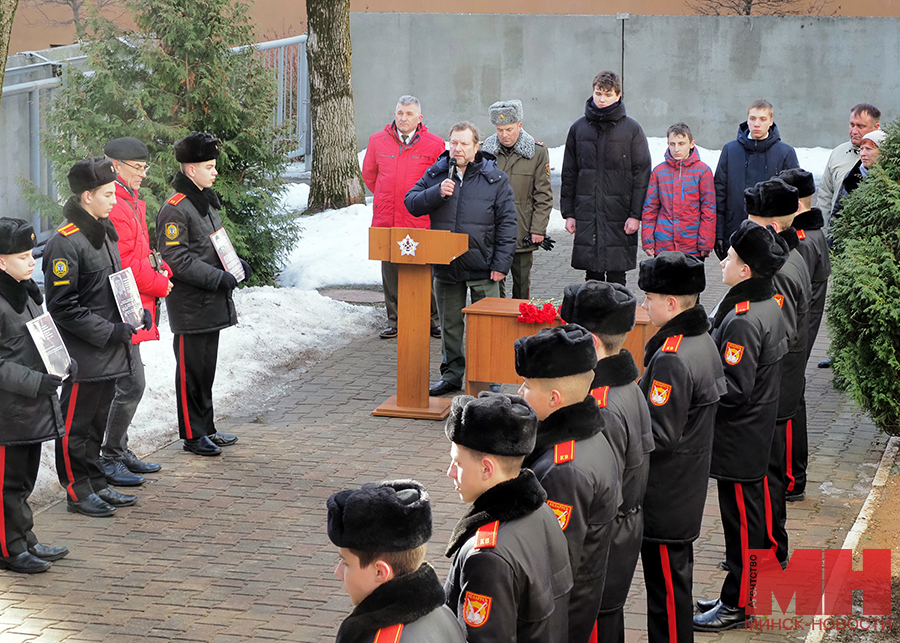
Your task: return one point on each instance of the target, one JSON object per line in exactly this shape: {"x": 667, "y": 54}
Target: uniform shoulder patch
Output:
{"x": 733, "y": 353}
{"x": 801, "y": 234}
{"x": 563, "y": 513}
{"x": 742, "y": 307}
{"x": 171, "y": 230}
{"x": 176, "y": 198}
{"x": 476, "y": 609}
{"x": 60, "y": 267}
{"x": 486, "y": 536}
{"x": 564, "y": 452}
{"x": 660, "y": 393}
{"x": 672, "y": 344}
{"x": 601, "y": 394}
{"x": 67, "y": 229}
{"x": 389, "y": 634}
{"x": 780, "y": 299}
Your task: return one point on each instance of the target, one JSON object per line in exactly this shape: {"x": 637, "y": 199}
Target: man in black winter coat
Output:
{"x": 756, "y": 155}
{"x": 475, "y": 198}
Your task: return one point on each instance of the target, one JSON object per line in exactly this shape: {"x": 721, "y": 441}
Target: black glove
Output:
{"x": 122, "y": 333}
{"x": 73, "y": 370}
{"x": 49, "y": 384}
{"x": 548, "y": 243}
{"x": 147, "y": 320}
{"x": 248, "y": 271}
{"x": 720, "y": 249}
{"x": 228, "y": 282}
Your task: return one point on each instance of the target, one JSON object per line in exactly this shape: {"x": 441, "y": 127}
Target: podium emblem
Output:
{"x": 408, "y": 246}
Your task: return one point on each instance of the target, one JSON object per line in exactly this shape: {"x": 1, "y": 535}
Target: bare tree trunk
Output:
{"x": 7, "y": 13}
{"x": 336, "y": 179}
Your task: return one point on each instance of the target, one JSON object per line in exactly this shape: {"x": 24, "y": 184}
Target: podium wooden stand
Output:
{"x": 414, "y": 249}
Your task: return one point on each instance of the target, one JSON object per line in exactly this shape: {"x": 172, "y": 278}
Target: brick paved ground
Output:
{"x": 233, "y": 549}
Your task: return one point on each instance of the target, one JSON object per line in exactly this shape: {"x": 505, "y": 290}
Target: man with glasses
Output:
{"x": 130, "y": 158}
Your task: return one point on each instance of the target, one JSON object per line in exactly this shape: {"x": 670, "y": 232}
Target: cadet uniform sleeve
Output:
{"x": 668, "y": 388}
{"x": 174, "y": 242}
{"x": 739, "y": 352}
{"x": 19, "y": 379}
{"x": 487, "y": 600}
{"x": 543, "y": 192}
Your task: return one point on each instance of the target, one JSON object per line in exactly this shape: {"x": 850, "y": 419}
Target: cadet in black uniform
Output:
{"x": 200, "y": 303}
{"x": 749, "y": 332}
{"x": 382, "y": 530}
{"x": 775, "y": 202}
{"x": 607, "y": 311}
{"x": 30, "y": 409}
{"x": 78, "y": 260}
{"x": 572, "y": 459}
{"x": 510, "y": 576}
{"x": 682, "y": 381}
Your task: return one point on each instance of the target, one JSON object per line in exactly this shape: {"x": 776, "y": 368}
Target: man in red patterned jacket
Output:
{"x": 130, "y": 158}
{"x": 396, "y": 158}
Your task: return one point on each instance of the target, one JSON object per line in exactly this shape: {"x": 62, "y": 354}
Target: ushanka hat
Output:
{"x": 504, "y": 112}
{"x": 556, "y": 352}
{"x": 384, "y": 517}
{"x": 89, "y": 174}
{"x": 760, "y": 248}
{"x": 126, "y": 148}
{"x": 601, "y": 307}
{"x": 800, "y": 179}
{"x": 672, "y": 273}
{"x": 494, "y": 423}
{"x": 197, "y": 147}
{"x": 16, "y": 235}
{"x": 772, "y": 198}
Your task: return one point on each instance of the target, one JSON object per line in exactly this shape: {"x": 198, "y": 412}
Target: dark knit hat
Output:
{"x": 760, "y": 248}
{"x": 388, "y": 516}
{"x": 197, "y": 147}
{"x": 16, "y": 235}
{"x": 556, "y": 352}
{"x": 494, "y": 423}
{"x": 672, "y": 273}
{"x": 504, "y": 112}
{"x": 126, "y": 148}
{"x": 800, "y": 179}
{"x": 601, "y": 307}
{"x": 89, "y": 174}
{"x": 772, "y": 198}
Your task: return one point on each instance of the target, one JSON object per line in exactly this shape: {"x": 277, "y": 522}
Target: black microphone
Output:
{"x": 452, "y": 167}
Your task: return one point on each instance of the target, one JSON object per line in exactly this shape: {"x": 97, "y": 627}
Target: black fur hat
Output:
{"x": 493, "y": 423}
{"x": 601, "y": 307}
{"x": 672, "y": 273}
{"x": 800, "y": 179}
{"x": 126, "y": 148}
{"x": 760, "y": 248}
{"x": 772, "y": 198}
{"x": 89, "y": 174}
{"x": 197, "y": 147}
{"x": 388, "y": 516}
{"x": 556, "y": 352}
{"x": 16, "y": 235}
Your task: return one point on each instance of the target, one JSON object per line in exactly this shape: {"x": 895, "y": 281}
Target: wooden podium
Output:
{"x": 414, "y": 249}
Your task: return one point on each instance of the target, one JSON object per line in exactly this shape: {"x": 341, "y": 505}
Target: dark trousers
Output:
{"x": 797, "y": 452}
{"x": 85, "y": 407}
{"x": 774, "y": 486}
{"x": 195, "y": 372}
{"x": 390, "y": 275}
{"x": 612, "y": 276}
{"x": 19, "y": 466}
{"x": 129, "y": 391}
{"x": 611, "y": 626}
{"x": 742, "y": 507}
{"x": 521, "y": 276}
{"x": 668, "y": 576}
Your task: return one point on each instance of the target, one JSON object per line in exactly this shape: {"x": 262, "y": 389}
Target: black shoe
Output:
{"x": 795, "y": 496}
{"x": 723, "y": 565}
{"x": 93, "y": 506}
{"x": 825, "y": 363}
{"x": 47, "y": 553}
{"x": 442, "y": 387}
{"x": 117, "y": 499}
{"x": 388, "y": 333}
{"x": 706, "y": 604}
{"x": 118, "y": 474}
{"x": 134, "y": 465}
{"x": 202, "y": 446}
{"x": 222, "y": 439}
{"x": 24, "y": 563}
{"x": 436, "y": 332}
{"x": 720, "y": 618}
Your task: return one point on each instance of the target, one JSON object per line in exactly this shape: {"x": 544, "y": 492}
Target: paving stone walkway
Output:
{"x": 233, "y": 549}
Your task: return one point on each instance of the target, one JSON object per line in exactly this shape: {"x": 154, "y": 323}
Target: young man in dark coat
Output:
{"x": 200, "y": 304}
{"x": 607, "y": 311}
{"x": 749, "y": 332}
{"x": 465, "y": 192}
{"x": 605, "y": 174}
{"x": 510, "y": 576}
{"x": 682, "y": 382}
{"x": 382, "y": 531}
{"x": 572, "y": 459}
{"x": 78, "y": 260}
{"x": 30, "y": 414}
{"x": 756, "y": 155}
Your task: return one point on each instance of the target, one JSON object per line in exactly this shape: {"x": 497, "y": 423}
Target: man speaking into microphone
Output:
{"x": 465, "y": 192}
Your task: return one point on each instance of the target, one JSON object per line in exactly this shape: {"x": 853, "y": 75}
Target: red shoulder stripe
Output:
{"x": 486, "y": 536}
{"x": 389, "y": 634}
{"x": 176, "y": 198}
{"x": 600, "y": 394}
{"x": 564, "y": 452}
{"x": 672, "y": 344}
{"x": 742, "y": 307}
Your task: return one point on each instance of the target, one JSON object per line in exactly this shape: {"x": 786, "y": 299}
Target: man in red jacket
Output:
{"x": 396, "y": 158}
{"x": 130, "y": 158}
